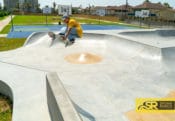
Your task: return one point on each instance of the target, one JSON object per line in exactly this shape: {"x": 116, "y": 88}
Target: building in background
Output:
{"x": 157, "y": 11}
{"x": 152, "y": 7}
{"x": 119, "y": 11}
{"x": 10, "y": 4}
{"x": 28, "y": 5}
{"x": 98, "y": 10}
{"x": 64, "y": 10}
{"x": 22, "y": 5}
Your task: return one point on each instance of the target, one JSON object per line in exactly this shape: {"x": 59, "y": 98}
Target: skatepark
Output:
{"x": 97, "y": 78}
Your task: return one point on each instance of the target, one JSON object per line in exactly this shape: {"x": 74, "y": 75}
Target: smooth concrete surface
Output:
{"x": 159, "y": 38}
{"x": 59, "y": 102}
{"x": 100, "y": 92}
{"x": 29, "y": 92}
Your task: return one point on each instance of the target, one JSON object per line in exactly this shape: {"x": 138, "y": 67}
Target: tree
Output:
{"x": 74, "y": 10}
{"x": 17, "y": 7}
{"x": 147, "y": 1}
{"x": 89, "y": 9}
{"x": 5, "y": 8}
{"x": 167, "y": 5}
{"x": 54, "y": 6}
{"x": 37, "y": 8}
{"x": 28, "y": 6}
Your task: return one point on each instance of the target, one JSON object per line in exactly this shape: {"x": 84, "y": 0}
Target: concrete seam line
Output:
{"x": 62, "y": 98}
{"x": 9, "y": 63}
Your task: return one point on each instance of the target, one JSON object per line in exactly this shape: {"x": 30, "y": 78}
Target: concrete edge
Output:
{"x": 6, "y": 90}
{"x": 59, "y": 103}
{"x": 161, "y": 32}
{"x": 29, "y": 38}
{"x": 34, "y": 35}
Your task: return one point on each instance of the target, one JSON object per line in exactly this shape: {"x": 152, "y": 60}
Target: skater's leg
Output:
{"x": 72, "y": 35}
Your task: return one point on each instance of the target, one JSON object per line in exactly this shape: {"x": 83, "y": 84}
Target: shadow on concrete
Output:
{"x": 83, "y": 112}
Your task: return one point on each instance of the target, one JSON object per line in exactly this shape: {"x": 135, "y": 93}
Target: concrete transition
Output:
{"x": 128, "y": 64}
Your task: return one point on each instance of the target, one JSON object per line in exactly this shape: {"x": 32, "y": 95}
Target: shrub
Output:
{"x": 4, "y": 13}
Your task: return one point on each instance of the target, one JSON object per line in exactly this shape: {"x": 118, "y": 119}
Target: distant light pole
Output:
{"x": 126, "y": 2}
{"x": 9, "y": 7}
{"x": 46, "y": 11}
{"x": 11, "y": 15}
{"x": 126, "y": 7}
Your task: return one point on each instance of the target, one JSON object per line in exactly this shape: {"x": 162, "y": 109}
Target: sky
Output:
{"x": 85, "y": 3}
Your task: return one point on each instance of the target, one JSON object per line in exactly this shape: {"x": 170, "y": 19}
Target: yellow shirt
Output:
{"x": 73, "y": 23}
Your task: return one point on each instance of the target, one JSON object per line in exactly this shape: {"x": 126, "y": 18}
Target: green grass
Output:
{"x": 30, "y": 20}
{"x": 1, "y": 18}
{"x": 38, "y": 20}
{"x": 6, "y": 29}
{"x": 5, "y": 108}
{"x": 9, "y": 44}
{"x": 34, "y": 20}
{"x": 6, "y": 116}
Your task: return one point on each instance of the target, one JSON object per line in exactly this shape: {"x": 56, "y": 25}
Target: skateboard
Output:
{"x": 58, "y": 38}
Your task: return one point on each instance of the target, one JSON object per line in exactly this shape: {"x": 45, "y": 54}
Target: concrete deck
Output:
{"x": 104, "y": 91}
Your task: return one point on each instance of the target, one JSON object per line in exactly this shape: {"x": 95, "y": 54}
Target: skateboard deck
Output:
{"x": 55, "y": 38}
{"x": 58, "y": 38}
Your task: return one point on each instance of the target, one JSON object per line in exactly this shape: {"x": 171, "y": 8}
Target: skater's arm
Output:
{"x": 67, "y": 33}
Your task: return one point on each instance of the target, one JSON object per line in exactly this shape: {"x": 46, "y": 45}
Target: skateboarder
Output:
{"x": 73, "y": 30}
